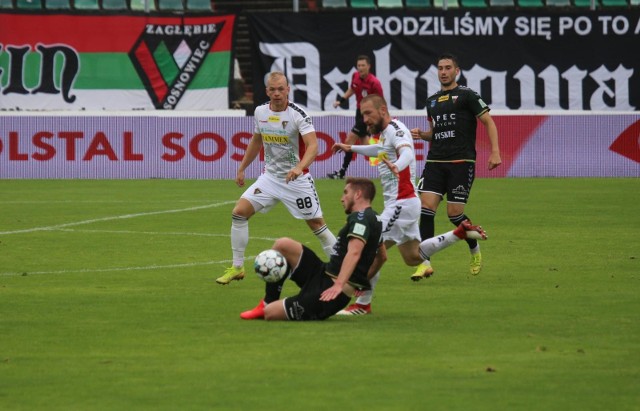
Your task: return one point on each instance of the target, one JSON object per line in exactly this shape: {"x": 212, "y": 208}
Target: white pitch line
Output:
{"x": 61, "y": 227}
{"x": 71, "y": 230}
{"x": 91, "y": 201}
{"x": 119, "y": 217}
{"x": 115, "y": 269}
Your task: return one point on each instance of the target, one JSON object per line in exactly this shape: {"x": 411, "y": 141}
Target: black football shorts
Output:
{"x": 311, "y": 278}
{"x": 451, "y": 178}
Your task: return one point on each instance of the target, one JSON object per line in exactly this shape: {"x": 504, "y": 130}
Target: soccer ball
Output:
{"x": 270, "y": 265}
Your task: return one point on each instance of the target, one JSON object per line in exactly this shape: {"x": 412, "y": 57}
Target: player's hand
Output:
{"x": 340, "y": 147}
{"x": 494, "y": 160}
{"x": 293, "y": 174}
{"x": 392, "y": 167}
{"x": 332, "y": 292}
{"x": 336, "y": 104}
{"x": 415, "y": 134}
{"x": 240, "y": 179}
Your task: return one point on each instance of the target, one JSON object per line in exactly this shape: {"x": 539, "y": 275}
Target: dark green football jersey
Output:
{"x": 367, "y": 226}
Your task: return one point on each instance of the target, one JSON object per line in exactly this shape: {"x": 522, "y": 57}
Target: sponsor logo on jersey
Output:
{"x": 444, "y": 134}
{"x": 443, "y": 98}
{"x": 275, "y": 139}
{"x": 274, "y": 119}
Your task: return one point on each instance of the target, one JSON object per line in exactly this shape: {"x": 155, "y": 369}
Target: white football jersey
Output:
{"x": 394, "y": 136}
{"x": 281, "y": 137}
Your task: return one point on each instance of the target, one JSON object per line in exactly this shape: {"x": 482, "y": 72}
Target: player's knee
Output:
{"x": 429, "y": 202}
{"x": 268, "y": 315}
{"x": 289, "y": 248}
{"x": 281, "y": 244}
{"x": 239, "y": 212}
{"x": 244, "y": 209}
{"x": 274, "y": 311}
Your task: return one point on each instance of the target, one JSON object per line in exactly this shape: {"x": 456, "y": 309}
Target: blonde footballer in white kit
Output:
{"x": 280, "y": 127}
{"x": 397, "y": 171}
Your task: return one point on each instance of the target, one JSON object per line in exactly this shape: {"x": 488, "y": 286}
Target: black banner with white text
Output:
{"x": 517, "y": 60}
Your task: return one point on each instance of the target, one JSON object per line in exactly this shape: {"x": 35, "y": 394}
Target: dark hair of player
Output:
{"x": 365, "y": 58}
{"x": 363, "y": 184}
{"x": 448, "y": 56}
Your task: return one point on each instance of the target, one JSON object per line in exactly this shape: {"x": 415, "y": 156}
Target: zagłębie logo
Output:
{"x": 167, "y": 58}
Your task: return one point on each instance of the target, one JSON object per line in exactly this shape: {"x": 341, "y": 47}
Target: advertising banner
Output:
{"x": 115, "y": 62}
{"x": 198, "y": 147}
{"x": 517, "y": 60}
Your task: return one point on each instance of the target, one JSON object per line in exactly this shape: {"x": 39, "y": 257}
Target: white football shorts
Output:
{"x": 299, "y": 196}
{"x": 401, "y": 221}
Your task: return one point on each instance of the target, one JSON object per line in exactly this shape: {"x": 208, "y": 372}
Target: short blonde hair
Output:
{"x": 275, "y": 75}
{"x": 377, "y": 100}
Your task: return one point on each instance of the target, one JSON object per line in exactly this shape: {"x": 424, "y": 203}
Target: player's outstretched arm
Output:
{"x": 337, "y": 147}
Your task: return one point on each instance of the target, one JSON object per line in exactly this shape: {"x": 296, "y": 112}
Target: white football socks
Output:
{"x": 239, "y": 239}
{"x": 366, "y": 296}
{"x": 432, "y": 245}
{"x": 327, "y": 239}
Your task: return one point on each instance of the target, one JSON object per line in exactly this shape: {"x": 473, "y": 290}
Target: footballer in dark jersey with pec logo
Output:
{"x": 453, "y": 115}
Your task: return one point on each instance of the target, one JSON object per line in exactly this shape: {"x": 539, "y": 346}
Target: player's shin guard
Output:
{"x": 272, "y": 291}
{"x": 427, "y": 223}
{"x": 430, "y": 246}
{"x": 239, "y": 238}
{"x": 456, "y": 220}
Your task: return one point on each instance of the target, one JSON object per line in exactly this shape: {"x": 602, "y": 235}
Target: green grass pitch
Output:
{"x": 108, "y": 302}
